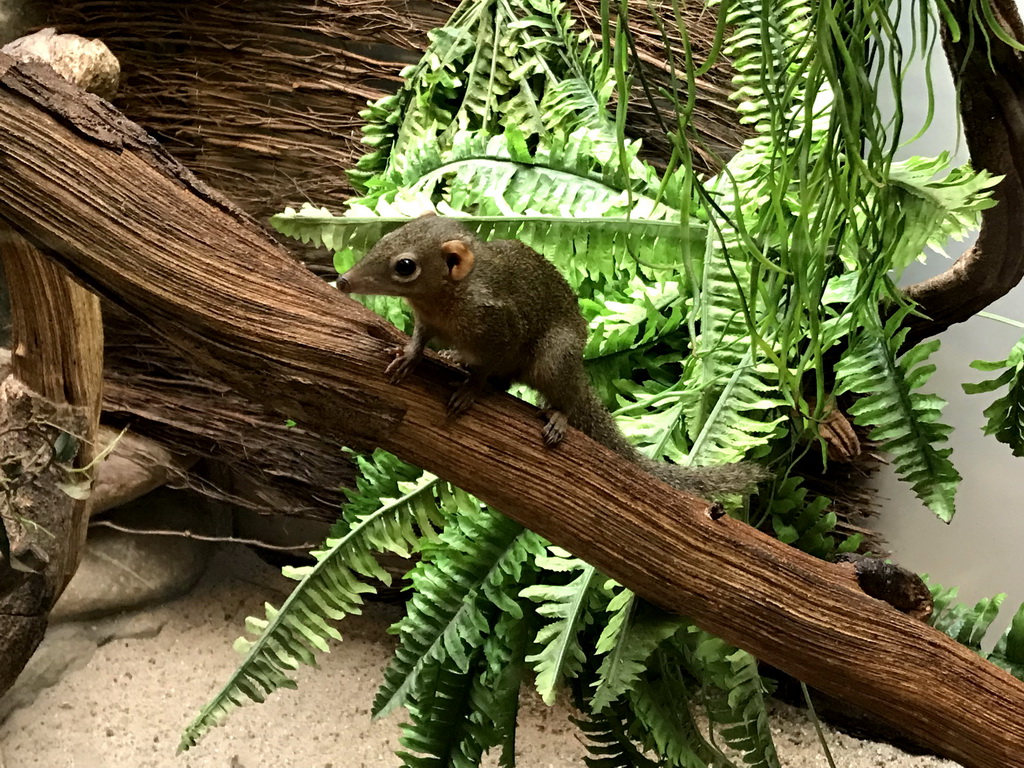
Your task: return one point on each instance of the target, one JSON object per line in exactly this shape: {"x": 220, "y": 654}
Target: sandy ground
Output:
{"x": 132, "y": 683}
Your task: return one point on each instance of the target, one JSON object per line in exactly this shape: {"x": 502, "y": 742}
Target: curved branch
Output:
{"x": 107, "y": 202}
{"x": 992, "y": 109}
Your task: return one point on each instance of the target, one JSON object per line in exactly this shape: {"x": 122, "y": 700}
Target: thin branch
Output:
{"x": 184, "y": 533}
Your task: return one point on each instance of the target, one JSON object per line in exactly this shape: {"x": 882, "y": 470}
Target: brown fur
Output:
{"x": 513, "y": 317}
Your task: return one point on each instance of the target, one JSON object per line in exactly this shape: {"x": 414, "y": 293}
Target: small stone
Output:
{"x": 124, "y": 571}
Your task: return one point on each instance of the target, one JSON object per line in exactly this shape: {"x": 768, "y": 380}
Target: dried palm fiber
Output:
{"x": 251, "y": 457}
{"x": 261, "y": 99}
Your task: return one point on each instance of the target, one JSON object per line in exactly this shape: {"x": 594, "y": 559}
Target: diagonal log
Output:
{"x": 99, "y": 195}
{"x": 992, "y": 108}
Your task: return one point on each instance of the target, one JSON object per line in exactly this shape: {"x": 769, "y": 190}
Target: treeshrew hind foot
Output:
{"x": 555, "y": 428}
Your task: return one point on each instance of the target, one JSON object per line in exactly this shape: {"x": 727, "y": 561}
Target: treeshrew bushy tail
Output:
{"x": 592, "y": 418}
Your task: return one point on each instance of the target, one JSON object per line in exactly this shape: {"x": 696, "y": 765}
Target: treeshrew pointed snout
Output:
{"x": 343, "y": 284}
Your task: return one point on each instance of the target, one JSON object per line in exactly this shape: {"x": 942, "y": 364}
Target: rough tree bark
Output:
{"x": 55, "y": 387}
{"x": 99, "y": 195}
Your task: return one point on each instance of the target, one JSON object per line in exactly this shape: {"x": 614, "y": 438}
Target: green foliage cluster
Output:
{"x": 969, "y": 626}
{"x": 1006, "y": 414}
{"x": 713, "y": 307}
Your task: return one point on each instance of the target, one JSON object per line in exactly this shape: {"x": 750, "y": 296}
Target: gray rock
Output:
{"x": 125, "y": 571}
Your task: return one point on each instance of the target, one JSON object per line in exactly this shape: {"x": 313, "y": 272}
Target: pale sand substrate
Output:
{"x": 127, "y": 706}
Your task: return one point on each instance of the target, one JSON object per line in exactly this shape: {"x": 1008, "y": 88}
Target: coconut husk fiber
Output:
{"x": 261, "y": 99}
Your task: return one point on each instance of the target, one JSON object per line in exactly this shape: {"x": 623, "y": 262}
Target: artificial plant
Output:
{"x": 726, "y": 315}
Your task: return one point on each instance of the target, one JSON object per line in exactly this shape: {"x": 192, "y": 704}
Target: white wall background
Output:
{"x": 981, "y": 550}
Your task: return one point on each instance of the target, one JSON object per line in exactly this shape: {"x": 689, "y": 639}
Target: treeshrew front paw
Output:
{"x": 402, "y": 365}
{"x": 463, "y": 398}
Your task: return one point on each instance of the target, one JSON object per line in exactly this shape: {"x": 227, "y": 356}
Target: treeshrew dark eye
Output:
{"x": 405, "y": 267}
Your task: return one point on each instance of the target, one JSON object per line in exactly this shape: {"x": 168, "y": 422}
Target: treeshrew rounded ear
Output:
{"x": 427, "y": 215}
{"x": 459, "y": 259}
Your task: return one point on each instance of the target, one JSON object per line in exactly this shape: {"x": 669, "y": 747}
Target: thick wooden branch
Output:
{"x": 57, "y": 351}
{"x": 57, "y": 370}
{"x": 91, "y": 188}
{"x": 992, "y": 106}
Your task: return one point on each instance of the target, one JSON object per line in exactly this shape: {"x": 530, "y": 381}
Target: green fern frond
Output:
{"x": 570, "y": 606}
{"x": 442, "y": 732}
{"x": 653, "y": 418}
{"x": 905, "y": 423}
{"x": 804, "y": 521}
{"x": 741, "y": 415}
{"x": 936, "y": 210}
{"x": 456, "y": 580}
{"x": 664, "y": 722}
{"x": 634, "y": 631}
{"x": 655, "y": 239}
{"x": 653, "y": 311}
{"x": 770, "y": 84}
{"x": 386, "y": 511}
{"x": 1008, "y": 652}
{"x": 608, "y": 741}
{"x": 969, "y": 626}
{"x": 499, "y": 684}
{"x": 457, "y": 715}
{"x": 738, "y": 706}
{"x": 485, "y": 669}
{"x": 1006, "y": 414}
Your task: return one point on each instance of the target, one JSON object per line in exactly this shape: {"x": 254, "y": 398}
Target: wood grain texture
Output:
{"x": 57, "y": 351}
{"x": 87, "y": 185}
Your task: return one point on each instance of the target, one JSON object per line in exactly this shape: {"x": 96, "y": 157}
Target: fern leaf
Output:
{"x": 1008, "y": 652}
{"x": 803, "y": 520}
{"x": 632, "y": 634}
{"x": 439, "y": 731}
{"x": 661, "y": 706}
{"x": 1006, "y": 414}
{"x": 967, "y": 625}
{"x": 499, "y": 684}
{"x": 570, "y": 606}
{"x": 445, "y": 620}
{"x": 457, "y": 715}
{"x": 903, "y": 421}
{"x": 741, "y": 415}
{"x": 739, "y": 710}
{"x": 608, "y": 741}
{"x": 333, "y": 588}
